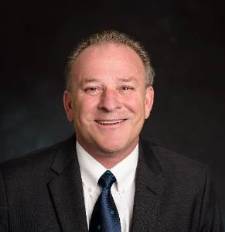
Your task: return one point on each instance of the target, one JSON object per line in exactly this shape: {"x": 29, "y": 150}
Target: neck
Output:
{"x": 109, "y": 161}
{"x": 109, "y": 158}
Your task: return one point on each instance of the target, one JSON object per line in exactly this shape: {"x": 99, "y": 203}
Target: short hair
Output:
{"x": 111, "y": 36}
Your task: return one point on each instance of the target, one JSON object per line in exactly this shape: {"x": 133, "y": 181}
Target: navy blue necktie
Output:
{"x": 105, "y": 217}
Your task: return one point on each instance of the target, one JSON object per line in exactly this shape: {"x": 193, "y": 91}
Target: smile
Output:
{"x": 110, "y": 122}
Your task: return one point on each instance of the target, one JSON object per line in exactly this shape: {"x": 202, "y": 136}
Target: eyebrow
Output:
{"x": 89, "y": 80}
{"x": 123, "y": 79}
{"x": 128, "y": 79}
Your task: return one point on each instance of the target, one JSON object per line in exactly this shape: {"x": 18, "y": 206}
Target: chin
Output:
{"x": 113, "y": 148}
{"x": 110, "y": 148}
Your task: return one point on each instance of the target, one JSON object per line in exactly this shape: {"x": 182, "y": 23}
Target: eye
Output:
{"x": 126, "y": 88}
{"x": 92, "y": 90}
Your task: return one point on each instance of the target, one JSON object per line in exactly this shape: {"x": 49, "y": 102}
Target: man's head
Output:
{"x": 109, "y": 95}
{"x": 113, "y": 37}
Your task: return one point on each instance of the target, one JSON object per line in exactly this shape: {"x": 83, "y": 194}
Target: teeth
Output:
{"x": 109, "y": 122}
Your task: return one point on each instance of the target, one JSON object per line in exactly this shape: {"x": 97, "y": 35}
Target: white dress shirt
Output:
{"x": 122, "y": 190}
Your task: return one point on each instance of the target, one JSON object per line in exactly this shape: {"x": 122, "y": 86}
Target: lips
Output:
{"x": 110, "y": 122}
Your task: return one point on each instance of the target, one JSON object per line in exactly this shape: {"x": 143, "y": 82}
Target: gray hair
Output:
{"x": 116, "y": 37}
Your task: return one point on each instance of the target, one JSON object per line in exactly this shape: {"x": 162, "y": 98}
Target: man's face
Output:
{"x": 108, "y": 101}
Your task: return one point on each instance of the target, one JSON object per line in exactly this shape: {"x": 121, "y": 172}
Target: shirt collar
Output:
{"x": 125, "y": 170}
{"x": 91, "y": 169}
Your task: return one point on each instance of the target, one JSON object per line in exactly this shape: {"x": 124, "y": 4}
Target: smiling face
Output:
{"x": 108, "y": 100}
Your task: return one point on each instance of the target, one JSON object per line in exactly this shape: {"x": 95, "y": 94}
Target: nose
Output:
{"x": 109, "y": 100}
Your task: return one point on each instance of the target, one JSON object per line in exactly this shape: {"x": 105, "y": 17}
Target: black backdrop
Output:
{"x": 186, "y": 40}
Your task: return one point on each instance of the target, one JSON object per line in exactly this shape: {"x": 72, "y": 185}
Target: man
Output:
{"x": 106, "y": 178}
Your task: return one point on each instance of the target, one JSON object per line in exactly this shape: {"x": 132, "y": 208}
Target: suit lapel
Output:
{"x": 66, "y": 189}
{"x": 149, "y": 187}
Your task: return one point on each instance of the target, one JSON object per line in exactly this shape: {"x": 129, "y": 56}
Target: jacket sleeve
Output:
{"x": 3, "y": 206}
{"x": 210, "y": 219}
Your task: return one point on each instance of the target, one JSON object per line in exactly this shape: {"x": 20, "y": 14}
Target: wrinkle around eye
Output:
{"x": 92, "y": 90}
{"x": 126, "y": 89}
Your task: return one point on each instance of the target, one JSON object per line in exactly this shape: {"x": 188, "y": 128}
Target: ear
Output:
{"x": 68, "y": 105}
{"x": 149, "y": 99}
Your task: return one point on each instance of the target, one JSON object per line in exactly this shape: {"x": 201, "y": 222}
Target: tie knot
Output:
{"x": 107, "y": 179}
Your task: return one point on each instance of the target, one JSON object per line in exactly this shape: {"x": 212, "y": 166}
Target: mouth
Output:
{"x": 110, "y": 122}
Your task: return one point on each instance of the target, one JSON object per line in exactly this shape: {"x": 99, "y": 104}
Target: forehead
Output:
{"x": 108, "y": 56}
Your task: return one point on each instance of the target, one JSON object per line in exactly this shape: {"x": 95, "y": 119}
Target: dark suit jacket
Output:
{"x": 42, "y": 192}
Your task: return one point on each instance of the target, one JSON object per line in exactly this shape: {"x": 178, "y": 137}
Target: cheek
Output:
{"x": 135, "y": 104}
{"x": 84, "y": 108}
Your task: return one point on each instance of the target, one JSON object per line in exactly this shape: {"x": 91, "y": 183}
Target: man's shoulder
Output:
{"x": 33, "y": 162}
{"x": 176, "y": 165}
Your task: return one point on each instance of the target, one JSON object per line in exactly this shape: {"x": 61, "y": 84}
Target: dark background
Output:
{"x": 186, "y": 40}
